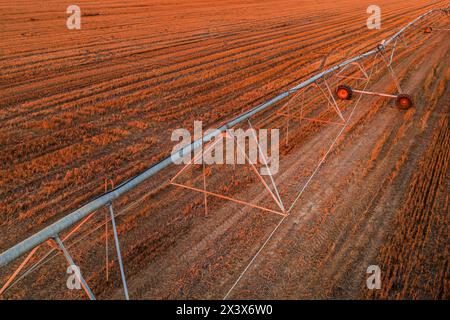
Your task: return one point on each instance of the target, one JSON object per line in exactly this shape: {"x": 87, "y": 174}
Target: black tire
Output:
{"x": 344, "y": 92}
{"x": 404, "y": 101}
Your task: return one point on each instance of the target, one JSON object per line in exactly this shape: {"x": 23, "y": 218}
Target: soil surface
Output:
{"x": 79, "y": 107}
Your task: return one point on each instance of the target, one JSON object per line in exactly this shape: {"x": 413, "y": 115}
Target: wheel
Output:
{"x": 404, "y": 101}
{"x": 344, "y": 92}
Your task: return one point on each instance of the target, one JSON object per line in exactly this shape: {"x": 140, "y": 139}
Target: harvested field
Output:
{"x": 79, "y": 107}
{"x": 416, "y": 255}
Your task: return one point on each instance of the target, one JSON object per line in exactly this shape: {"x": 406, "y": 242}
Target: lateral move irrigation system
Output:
{"x": 51, "y": 233}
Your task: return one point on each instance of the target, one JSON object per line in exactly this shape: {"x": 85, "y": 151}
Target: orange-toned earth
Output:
{"x": 81, "y": 106}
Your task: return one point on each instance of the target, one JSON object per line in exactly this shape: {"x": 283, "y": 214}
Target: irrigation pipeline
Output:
{"x": 106, "y": 199}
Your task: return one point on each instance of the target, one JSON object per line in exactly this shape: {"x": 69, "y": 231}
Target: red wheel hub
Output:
{"x": 343, "y": 94}
{"x": 404, "y": 102}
